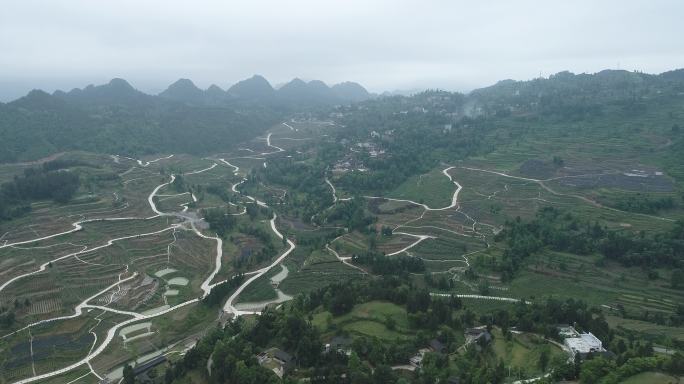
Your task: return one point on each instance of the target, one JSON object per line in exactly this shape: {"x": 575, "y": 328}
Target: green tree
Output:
{"x": 543, "y": 359}
{"x": 595, "y": 369}
{"x": 356, "y": 369}
{"x": 676, "y": 364}
{"x": 383, "y": 375}
{"x": 128, "y": 375}
{"x": 390, "y": 323}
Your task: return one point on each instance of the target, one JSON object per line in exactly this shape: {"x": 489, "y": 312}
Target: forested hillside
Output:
{"x": 116, "y": 118}
{"x": 40, "y": 124}
{"x": 517, "y": 116}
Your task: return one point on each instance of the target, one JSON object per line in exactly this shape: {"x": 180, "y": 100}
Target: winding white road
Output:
{"x": 343, "y": 260}
{"x": 420, "y": 239}
{"x": 480, "y": 297}
{"x": 291, "y": 127}
{"x": 78, "y": 310}
{"x": 147, "y": 163}
{"x": 334, "y": 192}
{"x": 89, "y": 250}
{"x": 202, "y": 170}
{"x": 268, "y": 142}
{"x": 229, "y": 307}
{"x": 77, "y": 227}
{"x": 454, "y": 204}
{"x": 108, "y": 339}
{"x": 188, "y": 223}
{"x": 454, "y": 197}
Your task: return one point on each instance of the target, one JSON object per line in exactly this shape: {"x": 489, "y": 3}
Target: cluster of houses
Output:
{"x": 474, "y": 336}
{"x": 348, "y": 164}
{"x": 282, "y": 362}
{"x": 574, "y": 342}
{"x": 372, "y": 149}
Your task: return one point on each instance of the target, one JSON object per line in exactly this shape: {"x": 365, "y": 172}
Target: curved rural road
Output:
{"x": 554, "y": 192}
{"x": 229, "y": 307}
{"x": 454, "y": 197}
{"x": 135, "y": 317}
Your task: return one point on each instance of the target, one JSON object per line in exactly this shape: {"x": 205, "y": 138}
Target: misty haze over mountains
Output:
{"x": 117, "y": 118}
{"x": 258, "y": 89}
{"x": 253, "y": 89}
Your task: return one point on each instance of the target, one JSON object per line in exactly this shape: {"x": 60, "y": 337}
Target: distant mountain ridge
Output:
{"x": 117, "y": 118}
{"x": 255, "y": 89}
{"x": 258, "y": 89}
{"x": 116, "y": 92}
{"x": 183, "y": 90}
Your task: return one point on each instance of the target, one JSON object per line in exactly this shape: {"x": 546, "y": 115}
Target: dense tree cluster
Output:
{"x": 233, "y": 359}
{"x": 220, "y": 292}
{"x": 384, "y": 265}
{"x": 220, "y": 220}
{"x": 223, "y": 222}
{"x": 264, "y": 253}
{"x": 222, "y": 191}
{"x": 414, "y": 144}
{"x": 569, "y": 97}
{"x": 57, "y": 164}
{"x": 307, "y": 193}
{"x": 36, "y": 184}
{"x": 115, "y": 118}
{"x": 351, "y": 214}
{"x": 232, "y": 351}
{"x": 565, "y": 232}
{"x": 610, "y": 371}
{"x": 641, "y": 203}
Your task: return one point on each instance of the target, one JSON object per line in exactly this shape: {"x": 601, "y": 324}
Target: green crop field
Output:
{"x": 433, "y": 189}
{"x": 523, "y": 351}
{"x": 368, "y": 319}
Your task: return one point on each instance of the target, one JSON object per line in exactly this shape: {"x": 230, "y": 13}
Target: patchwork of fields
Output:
{"x": 120, "y": 272}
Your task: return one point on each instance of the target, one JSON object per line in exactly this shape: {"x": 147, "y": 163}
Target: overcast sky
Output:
{"x": 384, "y": 45}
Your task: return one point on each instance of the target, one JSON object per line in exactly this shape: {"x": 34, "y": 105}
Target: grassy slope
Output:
{"x": 523, "y": 351}
{"x": 367, "y": 319}
{"x": 652, "y": 378}
{"x": 432, "y": 188}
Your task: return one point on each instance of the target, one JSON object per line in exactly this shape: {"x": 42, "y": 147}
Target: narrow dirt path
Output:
{"x": 343, "y": 260}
